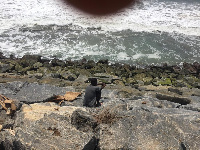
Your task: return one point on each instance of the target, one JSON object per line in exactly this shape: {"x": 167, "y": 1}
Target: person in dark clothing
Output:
{"x": 93, "y": 94}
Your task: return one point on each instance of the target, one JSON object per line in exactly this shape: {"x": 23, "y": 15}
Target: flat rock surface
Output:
{"x": 31, "y": 92}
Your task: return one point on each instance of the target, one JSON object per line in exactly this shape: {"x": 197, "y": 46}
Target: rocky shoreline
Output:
{"x": 154, "y": 107}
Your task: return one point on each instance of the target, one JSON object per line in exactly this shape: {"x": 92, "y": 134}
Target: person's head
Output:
{"x": 93, "y": 81}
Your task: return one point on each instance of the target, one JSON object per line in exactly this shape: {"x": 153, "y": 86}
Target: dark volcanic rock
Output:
{"x": 180, "y": 100}
{"x": 29, "y": 60}
{"x": 189, "y": 68}
{"x": 1, "y": 56}
{"x": 57, "y": 62}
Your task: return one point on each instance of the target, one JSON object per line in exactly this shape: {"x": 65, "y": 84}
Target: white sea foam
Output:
{"x": 152, "y": 15}
{"x": 149, "y": 16}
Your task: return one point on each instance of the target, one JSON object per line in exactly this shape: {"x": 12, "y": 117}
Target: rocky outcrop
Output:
{"x": 119, "y": 124}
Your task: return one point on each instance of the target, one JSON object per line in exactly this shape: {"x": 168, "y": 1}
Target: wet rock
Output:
{"x": 90, "y": 64}
{"x": 105, "y": 62}
{"x": 30, "y": 60}
{"x": 181, "y": 83}
{"x": 21, "y": 69}
{"x": 55, "y": 75}
{"x": 118, "y": 82}
{"x": 57, "y": 62}
{"x": 38, "y": 75}
{"x": 189, "y": 68}
{"x": 176, "y": 69}
{"x": 2, "y": 56}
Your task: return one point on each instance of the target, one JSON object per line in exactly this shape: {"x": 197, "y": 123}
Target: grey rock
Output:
{"x": 83, "y": 121}
{"x": 4, "y": 67}
{"x": 31, "y": 92}
{"x": 193, "y": 107}
{"x": 174, "y": 90}
{"x": 12, "y": 88}
{"x": 154, "y": 129}
{"x": 53, "y": 130}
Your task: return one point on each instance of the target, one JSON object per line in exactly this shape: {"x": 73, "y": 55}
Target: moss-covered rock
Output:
{"x": 166, "y": 81}
{"x": 68, "y": 76}
{"x": 44, "y": 70}
{"x": 147, "y": 80}
{"x": 192, "y": 81}
{"x": 181, "y": 83}
{"x": 131, "y": 81}
{"x": 57, "y": 62}
{"x": 29, "y": 60}
{"x": 83, "y": 72}
{"x": 21, "y": 69}
{"x": 139, "y": 76}
{"x": 37, "y": 65}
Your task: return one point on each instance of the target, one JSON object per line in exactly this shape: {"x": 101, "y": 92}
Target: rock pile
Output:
{"x": 62, "y": 73}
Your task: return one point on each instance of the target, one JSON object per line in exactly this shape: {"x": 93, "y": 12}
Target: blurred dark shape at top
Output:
{"x": 100, "y": 7}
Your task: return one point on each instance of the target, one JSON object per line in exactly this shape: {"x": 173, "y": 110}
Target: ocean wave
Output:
{"x": 148, "y": 16}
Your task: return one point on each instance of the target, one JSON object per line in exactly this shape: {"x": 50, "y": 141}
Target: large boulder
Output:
{"x": 175, "y": 99}
{"x": 31, "y": 92}
{"x": 30, "y": 60}
{"x": 150, "y": 128}
{"x": 5, "y": 67}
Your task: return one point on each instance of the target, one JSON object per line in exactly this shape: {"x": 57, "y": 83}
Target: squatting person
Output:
{"x": 93, "y": 94}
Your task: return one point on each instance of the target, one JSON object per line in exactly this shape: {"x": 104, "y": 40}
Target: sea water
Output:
{"x": 150, "y": 32}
